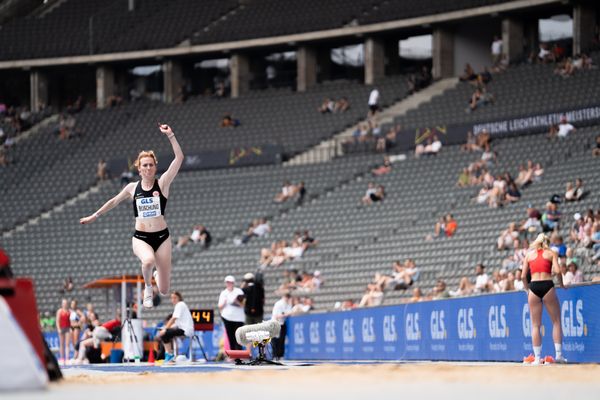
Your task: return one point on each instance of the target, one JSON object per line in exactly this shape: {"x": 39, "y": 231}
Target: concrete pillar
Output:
{"x": 512, "y": 39}
{"x": 531, "y": 37}
{"x": 172, "y": 80}
{"x": 239, "y": 70}
{"x": 38, "y": 85}
{"x": 374, "y": 60}
{"x": 442, "y": 53}
{"x": 306, "y": 62}
{"x": 105, "y": 85}
{"x": 584, "y": 20}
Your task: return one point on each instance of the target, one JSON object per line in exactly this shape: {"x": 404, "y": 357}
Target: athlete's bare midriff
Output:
{"x": 151, "y": 224}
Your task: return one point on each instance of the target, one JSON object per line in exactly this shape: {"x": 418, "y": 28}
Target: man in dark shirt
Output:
{"x": 255, "y": 299}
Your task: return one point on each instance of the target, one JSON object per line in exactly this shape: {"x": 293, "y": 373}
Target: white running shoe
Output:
{"x": 560, "y": 360}
{"x": 148, "y": 295}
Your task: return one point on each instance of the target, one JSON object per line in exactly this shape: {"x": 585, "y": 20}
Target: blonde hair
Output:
{"x": 143, "y": 154}
{"x": 541, "y": 242}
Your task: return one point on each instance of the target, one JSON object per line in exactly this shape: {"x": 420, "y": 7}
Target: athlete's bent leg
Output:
{"x": 163, "y": 267}
{"x": 144, "y": 252}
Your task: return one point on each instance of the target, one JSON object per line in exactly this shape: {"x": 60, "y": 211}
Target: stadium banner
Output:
{"x": 235, "y": 157}
{"x": 456, "y": 134}
{"x": 484, "y": 328}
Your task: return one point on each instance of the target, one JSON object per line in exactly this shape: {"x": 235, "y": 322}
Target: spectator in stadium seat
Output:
{"x": 259, "y": 227}
{"x": 434, "y": 145}
{"x": 198, "y": 235}
{"x": 373, "y": 102}
{"x": 180, "y": 324}
{"x": 384, "y": 168}
{"x": 302, "y": 305}
{"x": 327, "y": 106}
{"x": 512, "y": 193}
{"x": 447, "y": 225}
{"x": 301, "y": 191}
{"x": 551, "y": 217}
{"x": 440, "y": 290}
{"x": 372, "y": 297}
{"x": 518, "y": 281}
{"x": 575, "y": 191}
{"x": 287, "y": 192}
{"x": 101, "y": 173}
{"x": 509, "y": 237}
{"x": 471, "y": 144}
{"x": 544, "y": 55}
{"x": 374, "y": 193}
{"x": 562, "y": 130}
{"x": 468, "y": 74}
{"x": 479, "y": 98}
{"x": 229, "y": 122}
{"x": 341, "y": 105}
{"x": 577, "y": 275}
{"x": 232, "y": 310}
{"x": 596, "y": 150}
{"x": 417, "y": 296}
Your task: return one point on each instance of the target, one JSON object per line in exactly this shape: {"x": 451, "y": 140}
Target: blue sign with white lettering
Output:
{"x": 488, "y": 327}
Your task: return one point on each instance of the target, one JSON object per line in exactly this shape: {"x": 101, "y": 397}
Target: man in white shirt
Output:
{"x": 281, "y": 310}
{"x": 373, "y": 102}
{"x": 232, "y": 310}
{"x": 564, "y": 128}
{"x": 180, "y": 324}
{"x": 496, "y": 50}
{"x": 481, "y": 280}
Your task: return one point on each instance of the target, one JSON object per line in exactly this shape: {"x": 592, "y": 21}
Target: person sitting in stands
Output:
{"x": 229, "y": 122}
{"x": 287, "y": 191}
{"x": 574, "y": 192}
{"x": 199, "y": 235}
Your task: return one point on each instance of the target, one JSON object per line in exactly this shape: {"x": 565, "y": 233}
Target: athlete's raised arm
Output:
{"x": 167, "y": 178}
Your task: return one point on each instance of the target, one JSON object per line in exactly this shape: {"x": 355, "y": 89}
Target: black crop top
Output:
{"x": 148, "y": 203}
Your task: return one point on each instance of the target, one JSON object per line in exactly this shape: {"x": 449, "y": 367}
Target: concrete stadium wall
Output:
{"x": 472, "y": 44}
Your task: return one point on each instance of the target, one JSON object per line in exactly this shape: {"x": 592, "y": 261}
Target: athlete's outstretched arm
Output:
{"x": 167, "y": 178}
{"x": 125, "y": 194}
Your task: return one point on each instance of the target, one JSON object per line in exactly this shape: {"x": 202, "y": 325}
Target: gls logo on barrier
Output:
{"x": 572, "y": 319}
{"x": 389, "y": 328}
{"x": 497, "y": 322}
{"x": 299, "y": 333}
{"x": 368, "y": 332}
{"x": 348, "y": 331}
{"x": 411, "y": 324}
{"x": 437, "y": 326}
{"x": 330, "y": 332}
{"x": 526, "y": 321}
{"x": 466, "y": 328}
{"x": 313, "y": 330}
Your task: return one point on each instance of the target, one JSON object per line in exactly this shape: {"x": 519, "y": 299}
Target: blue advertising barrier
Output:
{"x": 483, "y": 328}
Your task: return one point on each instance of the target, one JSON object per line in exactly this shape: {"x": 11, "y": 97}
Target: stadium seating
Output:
{"x": 62, "y": 169}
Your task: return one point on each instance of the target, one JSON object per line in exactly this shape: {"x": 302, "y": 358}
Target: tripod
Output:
{"x": 261, "y": 358}
{"x": 132, "y": 337}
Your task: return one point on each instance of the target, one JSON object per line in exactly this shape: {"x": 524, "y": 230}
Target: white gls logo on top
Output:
{"x": 368, "y": 332}
{"x": 299, "y": 333}
{"x": 526, "y": 321}
{"x": 466, "y": 328}
{"x": 571, "y": 316}
{"x": 389, "y": 328}
{"x": 437, "y": 326}
{"x": 348, "y": 331}
{"x": 330, "y": 332}
{"x": 411, "y": 325}
{"x": 314, "y": 332}
{"x": 497, "y": 322}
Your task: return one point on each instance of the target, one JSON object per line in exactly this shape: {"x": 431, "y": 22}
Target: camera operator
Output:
{"x": 255, "y": 299}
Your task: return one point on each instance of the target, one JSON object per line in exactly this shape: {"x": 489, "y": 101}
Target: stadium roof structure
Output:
{"x": 219, "y": 35}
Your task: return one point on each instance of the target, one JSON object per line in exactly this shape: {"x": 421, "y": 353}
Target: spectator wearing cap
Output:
{"x": 232, "y": 311}
{"x": 254, "y": 293}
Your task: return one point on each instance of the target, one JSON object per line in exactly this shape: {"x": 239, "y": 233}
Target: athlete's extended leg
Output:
{"x": 163, "y": 267}
{"x": 144, "y": 252}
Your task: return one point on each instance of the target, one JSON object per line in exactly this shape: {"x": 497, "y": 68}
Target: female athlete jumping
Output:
{"x": 150, "y": 241}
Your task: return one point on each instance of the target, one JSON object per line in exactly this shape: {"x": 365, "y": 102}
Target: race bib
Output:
{"x": 148, "y": 207}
